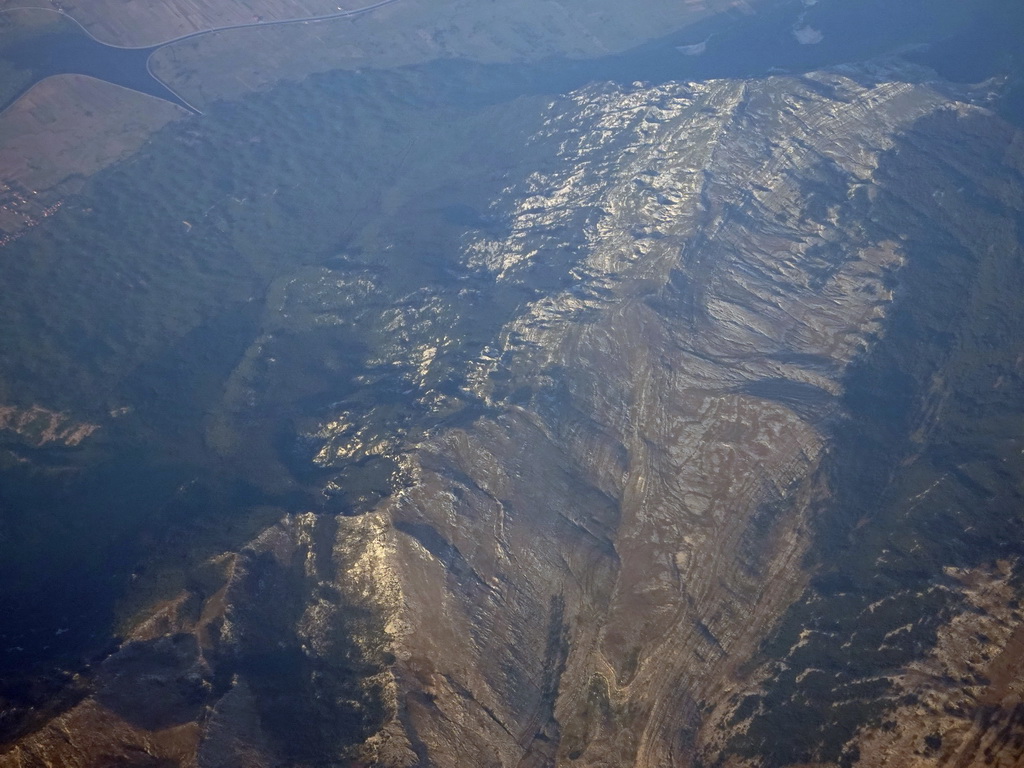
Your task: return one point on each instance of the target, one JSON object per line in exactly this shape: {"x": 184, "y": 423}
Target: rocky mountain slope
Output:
{"x": 583, "y": 574}
{"x": 740, "y": 487}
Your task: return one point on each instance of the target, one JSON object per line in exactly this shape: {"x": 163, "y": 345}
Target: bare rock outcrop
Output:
{"x": 581, "y": 567}
{"x": 583, "y": 573}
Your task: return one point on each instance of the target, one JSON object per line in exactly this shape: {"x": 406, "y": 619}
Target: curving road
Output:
{"x": 210, "y": 30}
{"x": 155, "y": 47}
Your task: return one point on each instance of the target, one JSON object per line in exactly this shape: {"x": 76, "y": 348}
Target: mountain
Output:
{"x": 656, "y": 409}
{"x": 733, "y": 479}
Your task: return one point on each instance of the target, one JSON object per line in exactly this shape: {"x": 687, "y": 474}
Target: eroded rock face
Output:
{"x": 963, "y": 700}
{"x": 926, "y": 483}
{"x": 38, "y": 426}
{"x": 583, "y": 574}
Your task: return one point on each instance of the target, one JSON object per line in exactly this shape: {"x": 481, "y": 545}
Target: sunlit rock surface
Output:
{"x": 582, "y": 569}
{"x": 963, "y": 700}
{"x": 39, "y": 426}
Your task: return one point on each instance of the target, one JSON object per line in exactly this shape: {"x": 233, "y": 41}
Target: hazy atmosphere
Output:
{"x": 525, "y": 384}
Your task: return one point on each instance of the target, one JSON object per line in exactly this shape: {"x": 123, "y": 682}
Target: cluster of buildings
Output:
{"x": 20, "y": 210}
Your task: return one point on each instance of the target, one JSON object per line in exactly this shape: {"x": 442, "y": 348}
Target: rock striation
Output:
{"x": 583, "y": 567}
{"x": 584, "y": 573}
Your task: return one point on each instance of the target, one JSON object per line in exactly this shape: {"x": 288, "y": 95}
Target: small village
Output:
{"x": 21, "y": 209}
